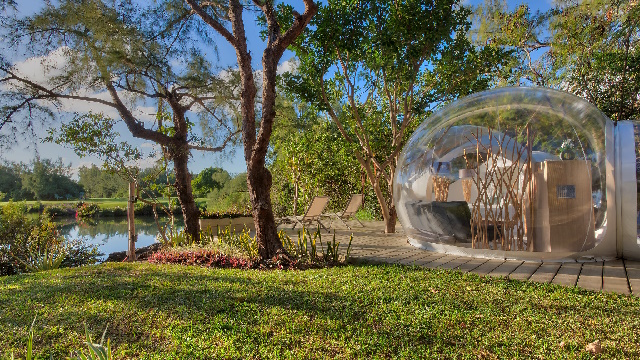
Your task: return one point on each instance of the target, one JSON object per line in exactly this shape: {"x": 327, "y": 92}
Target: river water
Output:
{"x": 111, "y": 234}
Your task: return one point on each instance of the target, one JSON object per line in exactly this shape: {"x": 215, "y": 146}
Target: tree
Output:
{"x": 596, "y": 53}
{"x": 232, "y": 197}
{"x": 591, "y": 49}
{"x": 228, "y": 22}
{"x": 49, "y": 180}
{"x": 10, "y": 182}
{"x": 99, "y": 183}
{"x": 379, "y": 67}
{"x": 208, "y": 180}
{"x": 121, "y": 55}
{"x": 310, "y": 162}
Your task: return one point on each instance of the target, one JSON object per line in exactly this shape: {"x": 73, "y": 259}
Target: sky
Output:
{"x": 27, "y": 149}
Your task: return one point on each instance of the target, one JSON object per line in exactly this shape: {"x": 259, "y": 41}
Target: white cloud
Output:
{"x": 41, "y": 70}
{"x": 287, "y": 66}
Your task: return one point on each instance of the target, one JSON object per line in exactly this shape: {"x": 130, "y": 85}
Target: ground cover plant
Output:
{"x": 226, "y": 248}
{"x": 176, "y": 311}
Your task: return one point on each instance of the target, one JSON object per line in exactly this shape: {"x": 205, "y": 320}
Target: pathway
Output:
{"x": 372, "y": 244}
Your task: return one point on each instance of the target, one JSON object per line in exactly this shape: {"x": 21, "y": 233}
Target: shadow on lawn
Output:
{"x": 175, "y": 293}
{"x": 138, "y": 301}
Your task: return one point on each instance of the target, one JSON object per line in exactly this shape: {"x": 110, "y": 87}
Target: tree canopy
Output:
{"x": 379, "y": 67}
{"x": 591, "y": 49}
{"x": 121, "y": 55}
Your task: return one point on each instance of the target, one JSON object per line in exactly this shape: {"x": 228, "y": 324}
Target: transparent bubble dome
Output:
{"x": 511, "y": 170}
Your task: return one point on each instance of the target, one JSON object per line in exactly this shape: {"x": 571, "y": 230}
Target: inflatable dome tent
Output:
{"x": 521, "y": 173}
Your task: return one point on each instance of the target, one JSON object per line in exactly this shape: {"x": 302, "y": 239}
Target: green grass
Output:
{"x": 103, "y": 203}
{"x": 178, "y": 312}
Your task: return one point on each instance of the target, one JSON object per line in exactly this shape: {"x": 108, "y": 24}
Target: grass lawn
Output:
{"x": 103, "y": 203}
{"x": 188, "y": 312}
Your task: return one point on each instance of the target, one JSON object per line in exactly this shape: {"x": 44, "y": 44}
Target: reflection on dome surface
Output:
{"x": 513, "y": 169}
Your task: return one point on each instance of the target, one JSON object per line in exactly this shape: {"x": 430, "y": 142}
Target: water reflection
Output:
{"x": 111, "y": 234}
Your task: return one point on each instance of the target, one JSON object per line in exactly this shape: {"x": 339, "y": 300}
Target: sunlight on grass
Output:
{"x": 343, "y": 312}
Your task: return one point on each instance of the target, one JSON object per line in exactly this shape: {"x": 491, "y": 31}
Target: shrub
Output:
{"x": 115, "y": 211}
{"x": 32, "y": 244}
{"x": 231, "y": 213}
{"x": 202, "y": 256}
{"x": 58, "y": 211}
{"x": 310, "y": 249}
{"x": 87, "y": 210}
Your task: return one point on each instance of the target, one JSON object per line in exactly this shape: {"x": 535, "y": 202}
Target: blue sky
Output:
{"x": 233, "y": 163}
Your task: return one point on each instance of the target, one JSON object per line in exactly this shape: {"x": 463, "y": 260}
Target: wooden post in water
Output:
{"x": 131, "y": 252}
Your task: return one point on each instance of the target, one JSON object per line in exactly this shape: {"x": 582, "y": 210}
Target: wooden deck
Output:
{"x": 372, "y": 244}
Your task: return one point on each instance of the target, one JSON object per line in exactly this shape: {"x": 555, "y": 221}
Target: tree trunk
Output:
{"x": 259, "y": 182}
{"x": 256, "y": 147}
{"x": 388, "y": 211}
{"x": 190, "y": 211}
{"x": 390, "y": 222}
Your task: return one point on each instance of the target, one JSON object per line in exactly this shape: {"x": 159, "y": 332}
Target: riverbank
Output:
{"x": 116, "y": 207}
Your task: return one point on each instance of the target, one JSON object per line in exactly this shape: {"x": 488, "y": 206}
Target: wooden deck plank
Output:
{"x": 488, "y": 266}
{"x": 455, "y": 264}
{"x": 545, "y": 273}
{"x": 411, "y": 260}
{"x": 472, "y": 264}
{"x": 505, "y": 268}
{"x": 394, "y": 258}
{"x": 614, "y": 277}
{"x": 633, "y": 275}
{"x": 568, "y": 274}
{"x": 524, "y": 271}
{"x": 591, "y": 276}
{"x": 443, "y": 260}
{"x": 424, "y": 261}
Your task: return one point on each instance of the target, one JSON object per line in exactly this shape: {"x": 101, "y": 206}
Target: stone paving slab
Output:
{"x": 591, "y": 276}
{"x": 411, "y": 260}
{"x": 398, "y": 255}
{"x": 614, "y": 277}
{"x": 426, "y": 260}
{"x": 506, "y": 268}
{"x": 545, "y": 273}
{"x": 568, "y": 274}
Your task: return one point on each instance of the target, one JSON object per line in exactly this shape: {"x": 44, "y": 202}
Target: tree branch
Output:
{"x": 215, "y": 24}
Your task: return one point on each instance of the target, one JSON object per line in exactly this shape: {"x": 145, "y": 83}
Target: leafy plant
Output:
{"x": 307, "y": 245}
{"x": 34, "y": 244}
{"x": 242, "y": 241}
{"x": 96, "y": 351}
{"x": 176, "y": 238}
{"x": 86, "y": 210}
{"x": 48, "y": 259}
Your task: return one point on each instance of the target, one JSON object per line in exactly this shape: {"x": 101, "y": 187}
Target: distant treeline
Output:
{"x": 42, "y": 179}
{"x": 45, "y": 179}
